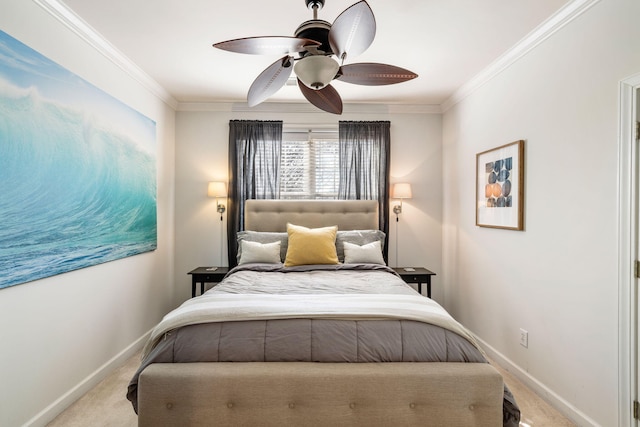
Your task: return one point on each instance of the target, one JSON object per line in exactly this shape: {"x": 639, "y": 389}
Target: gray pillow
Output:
{"x": 263, "y": 237}
{"x": 357, "y": 237}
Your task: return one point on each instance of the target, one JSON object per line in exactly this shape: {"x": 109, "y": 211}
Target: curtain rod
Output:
{"x": 306, "y": 127}
{"x": 313, "y": 132}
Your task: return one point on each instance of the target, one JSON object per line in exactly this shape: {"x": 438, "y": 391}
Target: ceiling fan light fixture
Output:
{"x": 312, "y": 48}
{"x": 316, "y": 71}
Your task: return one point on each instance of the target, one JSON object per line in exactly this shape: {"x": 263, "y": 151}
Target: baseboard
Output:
{"x": 63, "y": 402}
{"x": 548, "y": 395}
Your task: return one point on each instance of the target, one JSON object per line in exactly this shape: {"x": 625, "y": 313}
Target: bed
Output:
{"x": 292, "y": 338}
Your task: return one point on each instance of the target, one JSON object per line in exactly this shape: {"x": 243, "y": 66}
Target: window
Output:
{"x": 267, "y": 163}
{"x": 309, "y": 165}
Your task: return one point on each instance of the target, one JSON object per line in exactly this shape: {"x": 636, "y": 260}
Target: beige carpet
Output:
{"x": 106, "y": 404}
{"x": 534, "y": 410}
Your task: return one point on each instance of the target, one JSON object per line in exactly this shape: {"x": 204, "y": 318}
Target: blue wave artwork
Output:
{"x": 77, "y": 171}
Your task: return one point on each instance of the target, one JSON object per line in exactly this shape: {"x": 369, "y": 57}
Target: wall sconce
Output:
{"x": 401, "y": 190}
{"x": 218, "y": 190}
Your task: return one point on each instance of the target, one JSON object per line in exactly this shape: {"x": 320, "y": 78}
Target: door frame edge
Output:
{"x": 627, "y": 251}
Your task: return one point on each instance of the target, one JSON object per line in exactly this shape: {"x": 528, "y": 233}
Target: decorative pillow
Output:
{"x": 358, "y": 237}
{"x": 262, "y": 237}
{"x": 311, "y": 245}
{"x": 260, "y": 252}
{"x": 371, "y": 253}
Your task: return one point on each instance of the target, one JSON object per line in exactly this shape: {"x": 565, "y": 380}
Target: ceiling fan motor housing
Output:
{"x": 318, "y": 30}
{"x": 314, "y": 3}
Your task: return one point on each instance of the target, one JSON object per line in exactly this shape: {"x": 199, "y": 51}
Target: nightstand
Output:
{"x": 419, "y": 275}
{"x": 204, "y": 275}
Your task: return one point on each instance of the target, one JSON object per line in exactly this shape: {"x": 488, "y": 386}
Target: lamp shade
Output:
{"x": 217, "y": 189}
{"x": 316, "y": 71}
{"x": 401, "y": 190}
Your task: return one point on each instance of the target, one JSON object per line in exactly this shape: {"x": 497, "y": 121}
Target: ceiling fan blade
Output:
{"x": 373, "y": 74}
{"x": 270, "y": 81}
{"x": 353, "y": 31}
{"x": 274, "y": 45}
{"x": 326, "y": 99}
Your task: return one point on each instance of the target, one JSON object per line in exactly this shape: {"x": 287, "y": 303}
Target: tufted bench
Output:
{"x": 320, "y": 394}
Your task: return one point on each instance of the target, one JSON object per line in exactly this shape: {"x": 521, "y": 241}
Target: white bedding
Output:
{"x": 319, "y": 281}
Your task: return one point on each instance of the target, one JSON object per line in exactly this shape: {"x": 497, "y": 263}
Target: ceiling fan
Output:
{"x": 311, "y": 49}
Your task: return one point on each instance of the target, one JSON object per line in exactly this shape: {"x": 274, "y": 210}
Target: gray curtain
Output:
{"x": 364, "y": 166}
{"x": 254, "y": 166}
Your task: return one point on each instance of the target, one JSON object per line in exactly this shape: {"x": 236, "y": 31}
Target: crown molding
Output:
{"x": 76, "y": 24}
{"x": 306, "y": 108}
{"x": 561, "y": 18}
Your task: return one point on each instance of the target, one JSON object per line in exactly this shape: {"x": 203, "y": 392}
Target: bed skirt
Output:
{"x": 320, "y": 394}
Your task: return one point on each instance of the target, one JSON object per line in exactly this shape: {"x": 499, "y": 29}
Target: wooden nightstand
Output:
{"x": 204, "y": 275}
{"x": 419, "y": 275}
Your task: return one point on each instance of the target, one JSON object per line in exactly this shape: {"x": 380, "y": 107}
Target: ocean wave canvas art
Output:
{"x": 77, "y": 171}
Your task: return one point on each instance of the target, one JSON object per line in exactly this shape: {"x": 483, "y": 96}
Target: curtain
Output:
{"x": 364, "y": 166}
{"x": 254, "y": 166}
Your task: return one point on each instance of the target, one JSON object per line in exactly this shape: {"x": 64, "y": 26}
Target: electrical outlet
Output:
{"x": 524, "y": 338}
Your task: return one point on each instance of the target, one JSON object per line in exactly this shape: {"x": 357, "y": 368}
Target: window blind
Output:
{"x": 309, "y": 165}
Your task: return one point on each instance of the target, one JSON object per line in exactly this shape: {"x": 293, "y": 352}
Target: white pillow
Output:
{"x": 260, "y": 252}
{"x": 371, "y": 253}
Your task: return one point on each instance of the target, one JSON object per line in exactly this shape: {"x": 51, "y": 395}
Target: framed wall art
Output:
{"x": 500, "y": 187}
{"x": 77, "y": 168}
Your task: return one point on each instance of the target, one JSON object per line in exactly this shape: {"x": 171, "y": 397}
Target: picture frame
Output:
{"x": 500, "y": 187}
{"x": 78, "y": 174}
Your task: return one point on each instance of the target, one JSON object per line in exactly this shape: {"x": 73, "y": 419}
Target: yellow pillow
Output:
{"x": 311, "y": 245}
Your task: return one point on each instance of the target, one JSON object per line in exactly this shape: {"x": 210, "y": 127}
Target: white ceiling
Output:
{"x": 446, "y": 42}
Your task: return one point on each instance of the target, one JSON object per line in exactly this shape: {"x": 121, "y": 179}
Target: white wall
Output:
{"x": 60, "y": 335}
{"x": 558, "y": 278}
{"x": 202, "y": 135}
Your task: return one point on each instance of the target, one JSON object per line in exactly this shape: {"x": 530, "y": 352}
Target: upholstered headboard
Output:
{"x": 273, "y": 215}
